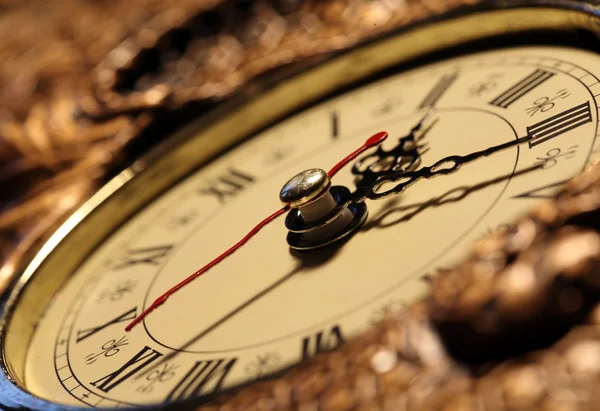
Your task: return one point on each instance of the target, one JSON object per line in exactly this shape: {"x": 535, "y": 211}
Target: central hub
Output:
{"x": 321, "y": 214}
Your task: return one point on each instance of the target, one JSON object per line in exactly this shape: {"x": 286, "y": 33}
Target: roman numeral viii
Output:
{"x": 559, "y": 124}
{"x": 322, "y": 341}
{"x": 523, "y": 87}
{"x": 128, "y": 316}
{"x": 228, "y": 185}
{"x": 142, "y": 359}
{"x": 203, "y": 377}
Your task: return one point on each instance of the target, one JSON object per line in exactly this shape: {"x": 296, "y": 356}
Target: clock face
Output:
{"x": 266, "y": 308}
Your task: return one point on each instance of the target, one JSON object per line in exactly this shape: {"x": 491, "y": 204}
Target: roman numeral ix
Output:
{"x": 142, "y": 359}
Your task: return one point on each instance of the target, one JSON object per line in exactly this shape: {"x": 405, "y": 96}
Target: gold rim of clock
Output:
{"x": 235, "y": 121}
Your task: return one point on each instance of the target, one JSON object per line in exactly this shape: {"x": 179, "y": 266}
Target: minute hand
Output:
{"x": 444, "y": 166}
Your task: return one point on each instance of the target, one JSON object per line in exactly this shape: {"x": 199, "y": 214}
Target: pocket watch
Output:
{"x": 452, "y": 266}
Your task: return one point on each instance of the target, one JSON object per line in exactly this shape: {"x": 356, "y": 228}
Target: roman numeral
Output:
{"x": 520, "y": 89}
{"x": 559, "y": 124}
{"x": 203, "y": 377}
{"x": 128, "y": 316}
{"x": 228, "y": 185}
{"x": 335, "y": 125}
{"x": 544, "y": 192}
{"x": 438, "y": 90}
{"x": 322, "y": 342}
{"x": 150, "y": 256}
{"x": 142, "y": 359}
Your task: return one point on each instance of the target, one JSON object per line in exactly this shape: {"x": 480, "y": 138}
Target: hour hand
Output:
{"x": 405, "y": 156}
{"x": 447, "y": 165}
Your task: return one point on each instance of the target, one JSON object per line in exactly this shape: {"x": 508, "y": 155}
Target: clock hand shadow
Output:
{"x": 307, "y": 261}
{"x": 385, "y": 218}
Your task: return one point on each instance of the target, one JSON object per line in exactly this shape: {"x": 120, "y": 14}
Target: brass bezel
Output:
{"x": 232, "y": 122}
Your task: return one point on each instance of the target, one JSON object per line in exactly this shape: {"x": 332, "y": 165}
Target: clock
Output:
{"x": 449, "y": 262}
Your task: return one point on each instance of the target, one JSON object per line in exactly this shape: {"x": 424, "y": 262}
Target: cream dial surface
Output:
{"x": 266, "y": 308}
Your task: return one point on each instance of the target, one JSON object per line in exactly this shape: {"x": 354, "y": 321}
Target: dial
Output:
{"x": 267, "y": 307}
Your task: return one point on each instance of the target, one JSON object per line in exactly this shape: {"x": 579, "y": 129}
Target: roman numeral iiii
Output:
{"x": 559, "y": 124}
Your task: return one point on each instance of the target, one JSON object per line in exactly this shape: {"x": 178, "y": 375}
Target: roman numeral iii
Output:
{"x": 520, "y": 89}
{"x": 127, "y": 316}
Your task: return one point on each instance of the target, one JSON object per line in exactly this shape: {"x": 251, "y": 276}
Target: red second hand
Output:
{"x": 371, "y": 142}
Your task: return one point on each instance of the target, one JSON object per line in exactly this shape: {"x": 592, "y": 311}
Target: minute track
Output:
{"x": 324, "y": 399}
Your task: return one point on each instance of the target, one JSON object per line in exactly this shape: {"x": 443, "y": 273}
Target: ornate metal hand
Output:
{"x": 377, "y": 174}
{"x": 405, "y": 156}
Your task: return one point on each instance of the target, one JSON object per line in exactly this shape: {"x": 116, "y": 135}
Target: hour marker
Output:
{"x": 438, "y": 90}
{"x": 142, "y": 359}
{"x": 335, "y": 124}
{"x": 204, "y": 377}
{"x": 520, "y": 89}
{"x": 559, "y": 124}
{"x": 149, "y": 256}
{"x": 228, "y": 185}
{"x": 127, "y": 316}
{"x": 322, "y": 341}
